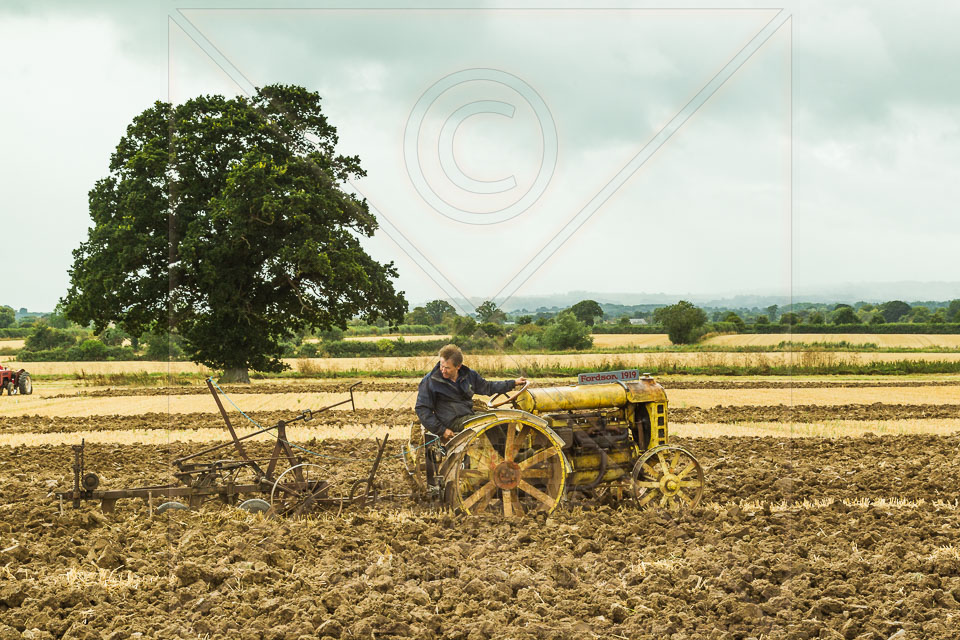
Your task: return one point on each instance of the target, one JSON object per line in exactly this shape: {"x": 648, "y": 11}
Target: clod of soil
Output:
{"x": 843, "y": 538}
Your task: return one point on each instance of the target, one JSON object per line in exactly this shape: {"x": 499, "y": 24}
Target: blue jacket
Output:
{"x": 440, "y": 401}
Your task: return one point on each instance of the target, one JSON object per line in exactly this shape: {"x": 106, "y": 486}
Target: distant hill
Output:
{"x": 22, "y": 312}
{"x": 908, "y": 291}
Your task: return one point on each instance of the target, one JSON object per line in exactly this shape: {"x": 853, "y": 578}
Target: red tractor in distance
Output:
{"x": 15, "y": 381}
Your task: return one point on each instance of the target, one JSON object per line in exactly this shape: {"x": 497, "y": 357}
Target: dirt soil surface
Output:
{"x": 336, "y": 386}
{"x": 349, "y": 420}
{"x": 760, "y": 559}
{"x": 813, "y": 412}
{"x": 800, "y": 384}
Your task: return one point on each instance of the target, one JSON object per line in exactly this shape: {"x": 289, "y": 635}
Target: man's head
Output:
{"x": 450, "y": 360}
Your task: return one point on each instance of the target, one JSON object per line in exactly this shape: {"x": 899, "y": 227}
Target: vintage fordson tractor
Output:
{"x": 601, "y": 440}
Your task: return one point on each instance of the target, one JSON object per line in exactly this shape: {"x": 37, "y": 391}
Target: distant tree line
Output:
{"x": 796, "y": 313}
{"x": 55, "y": 338}
{"x": 686, "y": 323}
{"x": 488, "y": 328}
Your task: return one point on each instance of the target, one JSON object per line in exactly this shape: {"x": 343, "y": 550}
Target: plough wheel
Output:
{"x": 363, "y": 494}
{"x": 667, "y": 477}
{"x": 172, "y": 505}
{"x": 300, "y": 490}
{"x": 511, "y": 467}
{"x": 255, "y": 505}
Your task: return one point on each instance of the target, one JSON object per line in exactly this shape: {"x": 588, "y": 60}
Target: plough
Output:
{"x": 282, "y": 484}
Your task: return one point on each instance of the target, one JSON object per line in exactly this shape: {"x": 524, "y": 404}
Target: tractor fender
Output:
{"x": 556, "y": 440}
{"x": 459, "y": 441}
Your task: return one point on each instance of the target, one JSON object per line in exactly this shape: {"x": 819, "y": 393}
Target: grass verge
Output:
{"x": 126, "y": 379}
{"x": 809, "y": 364}
{"x": 309, "y": 369}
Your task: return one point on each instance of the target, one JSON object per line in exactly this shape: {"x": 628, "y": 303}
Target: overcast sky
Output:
{"x": 529, "y": 151}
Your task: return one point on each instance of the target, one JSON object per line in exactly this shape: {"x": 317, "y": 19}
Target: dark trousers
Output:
{"x": 435, "y": 451}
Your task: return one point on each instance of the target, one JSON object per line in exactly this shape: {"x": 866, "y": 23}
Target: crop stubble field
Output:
{"x": 610, "y": 340}
{"x": 831, "y": 512}
{"x": 653, "y": 361}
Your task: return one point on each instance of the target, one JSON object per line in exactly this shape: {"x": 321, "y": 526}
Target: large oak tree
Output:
{"x": 228, "y": 221}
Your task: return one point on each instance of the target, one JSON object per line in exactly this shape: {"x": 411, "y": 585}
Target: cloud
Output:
{"x": 69, "y": 93}
{"x": 875, "y": 136}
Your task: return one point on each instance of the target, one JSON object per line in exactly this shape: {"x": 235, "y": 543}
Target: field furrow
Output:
{"x": 829, "y": 510}
{"x": 644, "y": 361}
{"x": 405, "y": 398}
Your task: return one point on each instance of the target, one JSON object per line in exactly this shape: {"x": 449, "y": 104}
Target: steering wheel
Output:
{"x": 507, "y": 398}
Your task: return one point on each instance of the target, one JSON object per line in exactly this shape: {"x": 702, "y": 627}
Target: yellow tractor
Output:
{"x": 596, "y": 440}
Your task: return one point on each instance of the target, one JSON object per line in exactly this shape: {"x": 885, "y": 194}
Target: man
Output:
{"x": 445, "y": 395}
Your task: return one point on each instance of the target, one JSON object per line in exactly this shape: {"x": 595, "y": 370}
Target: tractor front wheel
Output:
{"x": 8, "y": 387}
{"x": 668, "y": 477}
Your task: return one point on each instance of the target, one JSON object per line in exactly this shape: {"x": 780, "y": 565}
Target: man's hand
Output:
{"x": 447, "y": 435}
{"x": 519, "y": 382}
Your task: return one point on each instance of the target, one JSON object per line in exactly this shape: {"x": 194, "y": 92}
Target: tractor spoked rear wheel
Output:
{"x": 667, "y": 477}
{"x": 510, "y": 467}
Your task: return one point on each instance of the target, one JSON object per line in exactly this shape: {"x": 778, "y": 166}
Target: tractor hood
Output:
{"x": 593, "y": 396}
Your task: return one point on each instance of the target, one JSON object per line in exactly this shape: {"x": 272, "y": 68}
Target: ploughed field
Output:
{"x": 808, "y": 532}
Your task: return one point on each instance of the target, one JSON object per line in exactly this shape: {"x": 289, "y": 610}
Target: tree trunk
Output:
{"x": 236, "y": 375}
